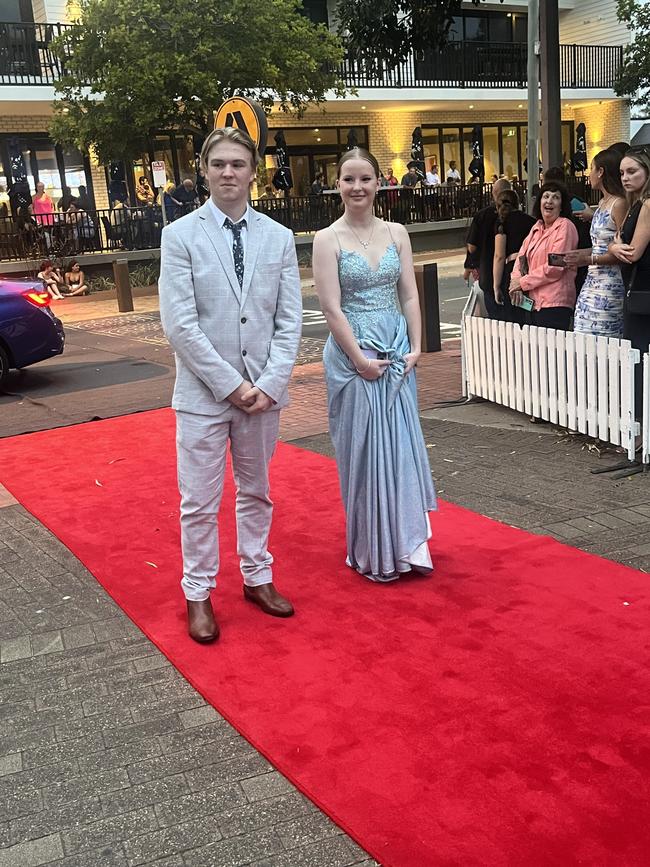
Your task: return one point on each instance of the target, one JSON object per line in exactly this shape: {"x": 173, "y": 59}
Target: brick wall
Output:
{"x": 99, "y": 185}
{"x": 606, "y": 122}
{"x": 24, "y": 123}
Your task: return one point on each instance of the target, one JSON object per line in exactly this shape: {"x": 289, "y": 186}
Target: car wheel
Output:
{"x": 4, "y": 365}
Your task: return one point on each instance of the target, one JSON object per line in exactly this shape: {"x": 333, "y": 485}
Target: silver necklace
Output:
{"x": 364, "y": 244}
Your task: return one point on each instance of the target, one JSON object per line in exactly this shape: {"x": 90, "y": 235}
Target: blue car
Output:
{"x": 29, "y": 331}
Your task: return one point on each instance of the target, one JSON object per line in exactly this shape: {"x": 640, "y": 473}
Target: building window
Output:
{"x": 316, "y": 11}
{"x": 311, "y": 150}
{"x": 493, "y": 26}
{"x": 74, "y": 169}
{"x": 16, "y": 11}
{"x": 504, "y": 148}
{"x": 27, "y": 159}
{"x": 476, "y": 28}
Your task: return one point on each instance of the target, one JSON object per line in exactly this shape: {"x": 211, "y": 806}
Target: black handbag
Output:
{"x": 637, "y": 301}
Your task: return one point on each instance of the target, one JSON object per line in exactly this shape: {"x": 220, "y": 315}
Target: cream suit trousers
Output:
{"x": 201, "y": 446}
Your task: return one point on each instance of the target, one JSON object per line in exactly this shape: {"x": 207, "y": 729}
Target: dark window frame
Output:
{"x": 499, "y": 125}
{"x": 491, "y": 15}
{"x": 28, "y": 137}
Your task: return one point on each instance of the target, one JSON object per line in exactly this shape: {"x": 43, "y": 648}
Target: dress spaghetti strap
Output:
{"x": 393, "y": 239}
{"x": 338, "y": 240}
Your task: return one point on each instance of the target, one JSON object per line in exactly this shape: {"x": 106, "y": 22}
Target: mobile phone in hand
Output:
{"x": 526, "y": 303}
{"x": 557, "y": 259}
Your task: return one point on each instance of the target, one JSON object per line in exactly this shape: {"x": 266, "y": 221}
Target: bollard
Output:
{"x": 426, "y": 278}
{"x": 123, "y": 285}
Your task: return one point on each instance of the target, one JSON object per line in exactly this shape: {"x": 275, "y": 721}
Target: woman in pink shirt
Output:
{"x": 42, "y": 206}
{"x": 551, "y": 287}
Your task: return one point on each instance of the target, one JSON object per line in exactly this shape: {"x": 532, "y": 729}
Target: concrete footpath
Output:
{"x": 107, "y": 755}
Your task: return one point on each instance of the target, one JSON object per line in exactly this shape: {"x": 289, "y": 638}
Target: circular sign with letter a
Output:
{"x": 243, "y": 113}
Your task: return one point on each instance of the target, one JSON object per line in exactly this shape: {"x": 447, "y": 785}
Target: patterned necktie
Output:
{"x": 237, "y": 246}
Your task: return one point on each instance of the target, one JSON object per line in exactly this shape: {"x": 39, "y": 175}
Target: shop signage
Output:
{"x": 159, "y": 173}
{"x": 243, "y": 113}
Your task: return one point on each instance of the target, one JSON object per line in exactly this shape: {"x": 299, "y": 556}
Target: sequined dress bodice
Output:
{"x": 367, "y": 293}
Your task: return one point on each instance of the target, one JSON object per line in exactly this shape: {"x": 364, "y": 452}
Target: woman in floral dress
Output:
{"x": 599, "y": 309}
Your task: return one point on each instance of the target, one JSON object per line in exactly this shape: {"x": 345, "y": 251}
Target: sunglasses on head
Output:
{"x": 639, "y": 149}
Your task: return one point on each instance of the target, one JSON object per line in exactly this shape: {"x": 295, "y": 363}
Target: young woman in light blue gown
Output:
{"x": 363, "y": 270}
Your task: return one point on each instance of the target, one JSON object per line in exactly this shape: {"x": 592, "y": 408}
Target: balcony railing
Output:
{"x": 26, "y": 55}
{"x": 482, "y": 64}
{"x": 63, "y": 235}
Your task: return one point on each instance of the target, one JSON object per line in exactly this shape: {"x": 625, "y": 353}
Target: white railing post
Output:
{"x": 645, "y": 421}
{"x": 629, "y": 425}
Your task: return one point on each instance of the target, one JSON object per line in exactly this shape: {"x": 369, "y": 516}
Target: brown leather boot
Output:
{"x": 266, "y": 597}
{"x": 202, "y": 626}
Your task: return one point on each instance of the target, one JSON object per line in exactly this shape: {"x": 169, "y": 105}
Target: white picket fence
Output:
{"x": 577, "y": 381}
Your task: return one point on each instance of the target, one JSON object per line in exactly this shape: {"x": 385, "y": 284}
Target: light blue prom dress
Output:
{"x": 380, "y": 452}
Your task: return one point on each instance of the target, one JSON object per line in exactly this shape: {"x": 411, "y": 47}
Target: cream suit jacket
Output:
{"x": 222, "y": 334}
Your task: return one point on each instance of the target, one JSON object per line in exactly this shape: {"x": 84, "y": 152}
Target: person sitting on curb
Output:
{"x": 75, "y": 280}
{"x": 52, "y": 279}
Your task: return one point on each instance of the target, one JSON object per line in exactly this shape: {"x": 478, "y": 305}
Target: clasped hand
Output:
{"x": 250, "y": 399}
{"x": 624, "y": 252}
{"x": 374, "y": 368}
{"x": 377, "y": 366}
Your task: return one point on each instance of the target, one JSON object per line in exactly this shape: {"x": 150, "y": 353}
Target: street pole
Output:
{"x": 532, "y": 151}
{"x": 162, "y": 205}
{"x": 549, "y": 29}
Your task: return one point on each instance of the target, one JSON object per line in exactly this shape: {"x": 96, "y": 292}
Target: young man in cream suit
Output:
{"x": 231, "y": 307}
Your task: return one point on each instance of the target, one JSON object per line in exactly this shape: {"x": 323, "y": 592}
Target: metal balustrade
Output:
{"x": 26, "y": 57}
{"x": 103, "y": 230}
{"x": 485, "y": 64}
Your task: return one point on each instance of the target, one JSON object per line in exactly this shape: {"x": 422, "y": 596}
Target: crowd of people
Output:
{"x": 44, "y": 224}
{"x": 570, "y": 266}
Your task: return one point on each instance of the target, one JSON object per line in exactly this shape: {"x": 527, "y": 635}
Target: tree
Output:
{"x": 392, "y": 29}
{"x": 634, "y": 75}
{"x": 135, "y": 68}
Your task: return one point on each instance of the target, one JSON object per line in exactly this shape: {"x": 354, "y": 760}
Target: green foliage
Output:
{"x": 145, "y": 273}
{"x": 635, "y": 72}
{"x": 132, "y": 69}
{"x": 101, "y": 284}
{"x": 388, "y": 31}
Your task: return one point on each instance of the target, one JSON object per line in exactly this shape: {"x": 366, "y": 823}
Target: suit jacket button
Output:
{"x": 243, "y": 352}
{"x": 243, "y": 319}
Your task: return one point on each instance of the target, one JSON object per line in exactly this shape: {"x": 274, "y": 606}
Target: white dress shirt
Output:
{"x": 228, "y": 233}
{"x": 433, "y": 179}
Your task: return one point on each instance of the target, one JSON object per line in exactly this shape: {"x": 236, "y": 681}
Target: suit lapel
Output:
{"x": 253, "y": 237}
{"x": 215, "y": 234}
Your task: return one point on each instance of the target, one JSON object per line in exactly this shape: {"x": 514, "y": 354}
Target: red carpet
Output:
{"x": 497, "y": 713}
